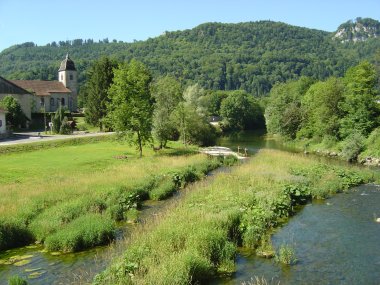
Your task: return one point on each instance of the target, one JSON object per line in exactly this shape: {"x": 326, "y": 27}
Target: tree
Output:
{"x": 283, "y": 112}
{"x": 131, "y": 104}
{"x": 100, "y": 76}
{"x": 359, "y": 107}
{"x": 167, "y": 94}
{"x": 241, "y": 111}
{"x": 320, "y": 109}
{"x": 191, "y": 120}
{"x": 15, "y": 116}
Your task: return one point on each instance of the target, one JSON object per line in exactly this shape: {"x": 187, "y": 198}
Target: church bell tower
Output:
{"x": 67, "y": 74}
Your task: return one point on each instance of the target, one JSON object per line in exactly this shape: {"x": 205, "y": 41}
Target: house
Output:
{"x": 25, "y": 98}
{"x": 50, "y": 95}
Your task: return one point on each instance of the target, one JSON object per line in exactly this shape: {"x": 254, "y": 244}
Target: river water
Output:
{"x": 336, "y": 241}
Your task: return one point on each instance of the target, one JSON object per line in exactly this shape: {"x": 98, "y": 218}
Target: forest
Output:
{"x": 252, "y": 56}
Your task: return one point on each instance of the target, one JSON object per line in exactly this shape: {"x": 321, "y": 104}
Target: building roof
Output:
{"x": 67, "y": 64}
{"x": 8, "y": 87}
{"x": 42, "y": 88}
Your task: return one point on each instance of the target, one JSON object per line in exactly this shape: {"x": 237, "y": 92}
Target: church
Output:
{"x": 37, "y": 96}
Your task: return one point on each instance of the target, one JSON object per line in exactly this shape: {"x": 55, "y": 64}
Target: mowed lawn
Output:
{"x": 74, "y": 180}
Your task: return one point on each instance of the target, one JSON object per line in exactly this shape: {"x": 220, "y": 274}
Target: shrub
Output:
{"x": 352, "y": 146}
{"x": 165, "y": 189}
{"x": 85, "y": 232}
{"x": 13, "y": 233}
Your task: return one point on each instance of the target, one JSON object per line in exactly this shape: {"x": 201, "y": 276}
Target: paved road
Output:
{"x": 30, "y": 137}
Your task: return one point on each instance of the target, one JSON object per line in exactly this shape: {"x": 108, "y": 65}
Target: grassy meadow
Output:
{"x": 69, "y": 197}
{"x": 197, "y": 237}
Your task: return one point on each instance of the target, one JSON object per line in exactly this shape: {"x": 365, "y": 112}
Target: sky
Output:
{"x": 44, "y": 21}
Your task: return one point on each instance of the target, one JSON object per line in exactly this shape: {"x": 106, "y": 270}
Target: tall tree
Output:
{"x": 359, "y": 107}
{"x": 131, "y": 104}
{"x": 320, "y": 109}
{"x": 283, "y": 113}
{"x": 100, "y": 76}
{"x": 167, "y": 94}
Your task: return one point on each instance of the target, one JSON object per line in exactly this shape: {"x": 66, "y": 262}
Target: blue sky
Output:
{"x": 44, "y": 21}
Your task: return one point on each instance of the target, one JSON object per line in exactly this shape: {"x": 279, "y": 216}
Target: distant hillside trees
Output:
{"x": 250, "y": 56}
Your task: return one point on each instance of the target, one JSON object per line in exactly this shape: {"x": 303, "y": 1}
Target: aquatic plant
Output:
{"x": 286, "y": 255}
{"x": 16, "y": 280}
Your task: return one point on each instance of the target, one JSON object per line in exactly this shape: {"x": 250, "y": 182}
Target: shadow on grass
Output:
{"x": 179, "y": 152}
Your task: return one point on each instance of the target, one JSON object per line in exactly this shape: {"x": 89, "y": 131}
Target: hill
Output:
{"x": 251, "y": 56}
{"x": 358, "y": 30}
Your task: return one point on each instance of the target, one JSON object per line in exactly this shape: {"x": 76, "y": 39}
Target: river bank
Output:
{"x": 197, "y": 240}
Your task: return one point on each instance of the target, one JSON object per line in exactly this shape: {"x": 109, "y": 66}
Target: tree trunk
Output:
{"x": 139, "y": 143}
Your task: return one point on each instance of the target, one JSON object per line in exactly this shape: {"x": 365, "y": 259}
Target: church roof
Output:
{"x": 8, "y": 87}
{"x": 42, "y": 88}
{"x": 67, "y": 64}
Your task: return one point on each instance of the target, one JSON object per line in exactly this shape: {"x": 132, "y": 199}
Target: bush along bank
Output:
{"x": 355, "y": 148}
{"x": 87, "y": 221}
{"x": 197, "y": 239}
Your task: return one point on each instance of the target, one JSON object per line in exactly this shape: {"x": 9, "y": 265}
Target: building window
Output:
{"x": 51, "y": 101}
{"x": 42, "y": 102}
{"x": 1, "y": 123}
{"x": 63, "y": 101}
{"x": 61, "y": 77}
{"x": 71, "y": 77}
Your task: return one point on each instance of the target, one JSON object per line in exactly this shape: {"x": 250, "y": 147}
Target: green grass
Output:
{"x": 197, "y": 238}
{"x": 44, "y": 193}
{"x": 83, "y": 126}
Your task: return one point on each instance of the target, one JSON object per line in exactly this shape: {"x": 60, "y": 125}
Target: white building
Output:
{"x": 49, "y": 95}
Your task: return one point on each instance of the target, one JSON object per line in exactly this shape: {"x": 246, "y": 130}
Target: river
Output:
{"x": 337, "y": 241}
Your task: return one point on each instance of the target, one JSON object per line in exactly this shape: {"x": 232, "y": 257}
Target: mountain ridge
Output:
{"x": 250, "y": 55}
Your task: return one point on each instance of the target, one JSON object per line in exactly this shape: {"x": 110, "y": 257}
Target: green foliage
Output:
{"x": 14, "y": 116}
{"x": 17, "y": 280}
{"x": 191, "y": 120}
{"x": 85, "y": 232}
{"x": 241, "y": 111}
{"x": 320, "y": 109}
{"x": 286, "y": 255}
{"x": 283, "y": 114}
{"x": 197, "y": 238}
{"x": 95, "y": 92}
{"x": 65, "y": 128}
{"x": 60, "y": 122}
{"x": 130, "y": 108}
{"x": 359, "y": 106}
{"x": 352, "y": 146}
{"x": 13, "y": 233}
{"x": 372, "y": 145}
{"x": 166, "y": 92}
{"x": 251, "y": 56}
